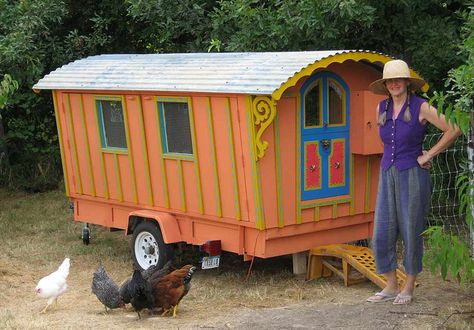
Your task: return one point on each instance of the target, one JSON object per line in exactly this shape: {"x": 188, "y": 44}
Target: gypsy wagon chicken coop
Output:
{"x": 267, "y": 153}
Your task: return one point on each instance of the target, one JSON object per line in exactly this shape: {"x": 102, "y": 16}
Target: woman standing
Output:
{"x": 404, "y": 188}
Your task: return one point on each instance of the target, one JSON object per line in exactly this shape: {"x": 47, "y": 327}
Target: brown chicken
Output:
{"x": 170, "y": 289}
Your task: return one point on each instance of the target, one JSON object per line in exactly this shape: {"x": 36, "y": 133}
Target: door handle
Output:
{"x": 325, "y": 144}
{"x": 337, "y": 165}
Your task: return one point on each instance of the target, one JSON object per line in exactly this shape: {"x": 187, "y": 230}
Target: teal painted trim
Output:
{"x": 164, "y": 135}
{"x": 101, "y": 123}
{"x": 103, "y": 137}
{"x": 164, "y": 139}
{"x": 111, "y": 150}
{"x": 186, "y": 157}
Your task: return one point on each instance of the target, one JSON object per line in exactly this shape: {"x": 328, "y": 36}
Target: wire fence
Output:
{"x": 445, "y": 210}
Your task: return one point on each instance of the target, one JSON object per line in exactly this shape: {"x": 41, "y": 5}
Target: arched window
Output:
{"x": 336, "y": 104}
{"x": 313, "y": 105}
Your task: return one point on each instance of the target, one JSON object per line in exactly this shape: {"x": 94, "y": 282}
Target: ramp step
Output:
{"x": 342, "y": 260}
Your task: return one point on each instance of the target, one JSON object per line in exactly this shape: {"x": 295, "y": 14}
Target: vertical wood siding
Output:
{"x": 212, "y": 182}
{"x": 221, "y": 179}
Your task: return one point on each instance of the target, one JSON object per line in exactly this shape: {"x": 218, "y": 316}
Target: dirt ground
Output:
{"x": 317, "y": 304}
{"x": 38, "y": 231}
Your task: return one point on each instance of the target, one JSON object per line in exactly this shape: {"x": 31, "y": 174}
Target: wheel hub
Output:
{"x": 150, "y": 249}
{"x": 146, "y": 250}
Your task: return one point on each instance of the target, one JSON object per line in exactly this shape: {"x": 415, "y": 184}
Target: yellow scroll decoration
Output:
{"x": 264, "y": 111}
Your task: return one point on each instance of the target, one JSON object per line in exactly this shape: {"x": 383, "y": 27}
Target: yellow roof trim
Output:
{"x": 338, "y": 58}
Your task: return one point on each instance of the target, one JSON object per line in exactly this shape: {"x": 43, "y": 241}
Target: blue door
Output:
{"x": 324, "y": 137}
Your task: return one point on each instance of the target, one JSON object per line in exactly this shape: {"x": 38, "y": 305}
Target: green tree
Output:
{"x": 448, "y": 253}
{"x": 423, "y": 32}
{"x": 36, "y": 37}
{"x": 25, "y": 36}
{"x": 252, "y": 25}
{"x": 8, "y": 86}
{"x": 171, "y": 25}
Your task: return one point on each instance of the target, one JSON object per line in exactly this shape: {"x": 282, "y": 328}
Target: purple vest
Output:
{"x": 402, "y": 141}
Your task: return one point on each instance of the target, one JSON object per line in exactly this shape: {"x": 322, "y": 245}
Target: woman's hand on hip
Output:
{"x": 424, "y": 160}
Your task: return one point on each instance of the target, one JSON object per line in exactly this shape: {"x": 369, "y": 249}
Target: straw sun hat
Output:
{"x": 395, "y": 69}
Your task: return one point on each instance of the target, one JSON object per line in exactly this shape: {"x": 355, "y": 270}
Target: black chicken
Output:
{"x": 152, "y": 272}
{"x": 106, "y": 290}
{"x": 140, "y": 292}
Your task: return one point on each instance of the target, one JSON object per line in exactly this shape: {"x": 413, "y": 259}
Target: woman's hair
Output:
{"x": 383, "y": 114}
{"x": 407, "y": 113}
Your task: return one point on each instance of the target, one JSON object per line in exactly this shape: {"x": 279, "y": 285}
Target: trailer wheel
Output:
{"x": 148, "y": 247}
{"x": 86, "y": 234}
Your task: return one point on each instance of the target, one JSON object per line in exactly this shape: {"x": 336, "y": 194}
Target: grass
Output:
{"x": 38, "y": 231}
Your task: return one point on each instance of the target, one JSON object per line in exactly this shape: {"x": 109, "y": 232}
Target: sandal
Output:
{"x": 382, "y": 297}
{"x": 403, "y": 299}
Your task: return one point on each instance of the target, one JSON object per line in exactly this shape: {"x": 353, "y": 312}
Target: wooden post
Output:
{"x": 299, "y": 262}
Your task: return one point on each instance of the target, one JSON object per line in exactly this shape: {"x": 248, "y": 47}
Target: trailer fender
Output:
{"x": 167, "y": 223}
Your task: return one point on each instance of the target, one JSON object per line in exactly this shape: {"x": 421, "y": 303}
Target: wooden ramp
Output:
{"x": 354, "y": 264}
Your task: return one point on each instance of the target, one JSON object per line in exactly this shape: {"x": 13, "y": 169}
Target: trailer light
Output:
{"x": 213, "y": 248}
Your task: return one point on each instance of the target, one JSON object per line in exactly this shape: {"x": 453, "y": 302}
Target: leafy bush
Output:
{"x": 37, "y": 36}
{"x": 448, "y": 253}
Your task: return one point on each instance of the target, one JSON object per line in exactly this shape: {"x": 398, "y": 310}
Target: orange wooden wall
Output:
{"x": 221, "y": 182}
{"x": 279, "y": 172}
{"x": 212, "y": 184}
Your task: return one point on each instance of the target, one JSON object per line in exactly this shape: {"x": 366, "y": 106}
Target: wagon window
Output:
{"x": 336, "y": 104}
{"x": 176, "y": 127}
{"x": 112, "y": 124}
{"x": 312, "y": 105}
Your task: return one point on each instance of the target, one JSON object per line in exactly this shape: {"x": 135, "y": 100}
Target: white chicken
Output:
{"x": 52, "y": 286}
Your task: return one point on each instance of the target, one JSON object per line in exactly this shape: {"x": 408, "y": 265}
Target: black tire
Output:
{"x": 148, "y": 247}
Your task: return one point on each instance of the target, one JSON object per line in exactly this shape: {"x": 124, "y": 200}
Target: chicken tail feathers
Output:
{"x": 153, "y": 273}
{"x": 125, "y": 291}
{"x": 63, "y": 269}
{"x": 189, "y": 275}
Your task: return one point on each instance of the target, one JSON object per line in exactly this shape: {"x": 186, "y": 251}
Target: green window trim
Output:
{"x": 176, "y": 127}
{"x": 112, "y": 124}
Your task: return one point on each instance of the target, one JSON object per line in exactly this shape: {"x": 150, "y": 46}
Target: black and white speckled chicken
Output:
{"x": 152, "y": 272}
{"x": 106, "y": 290}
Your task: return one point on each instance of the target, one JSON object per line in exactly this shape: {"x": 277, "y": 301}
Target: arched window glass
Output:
{"x": 336, "y": 102}
{"x": 312, "y": 106}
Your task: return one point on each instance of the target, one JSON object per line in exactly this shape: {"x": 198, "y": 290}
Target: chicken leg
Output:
{"x": 49, "y": 303}
{"x": 43, "y": 311}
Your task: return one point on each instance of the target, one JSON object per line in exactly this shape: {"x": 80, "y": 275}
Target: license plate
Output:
{"x": 210, "y": 262}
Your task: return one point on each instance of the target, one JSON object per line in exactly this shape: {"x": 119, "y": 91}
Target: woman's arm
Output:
{"x": 450, "y": 132}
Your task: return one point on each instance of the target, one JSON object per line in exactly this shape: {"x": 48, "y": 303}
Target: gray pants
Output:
{"x": 403, "y": 200}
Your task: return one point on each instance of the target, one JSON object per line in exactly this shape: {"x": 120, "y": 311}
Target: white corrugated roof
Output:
{"x": 247, "y": 73}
